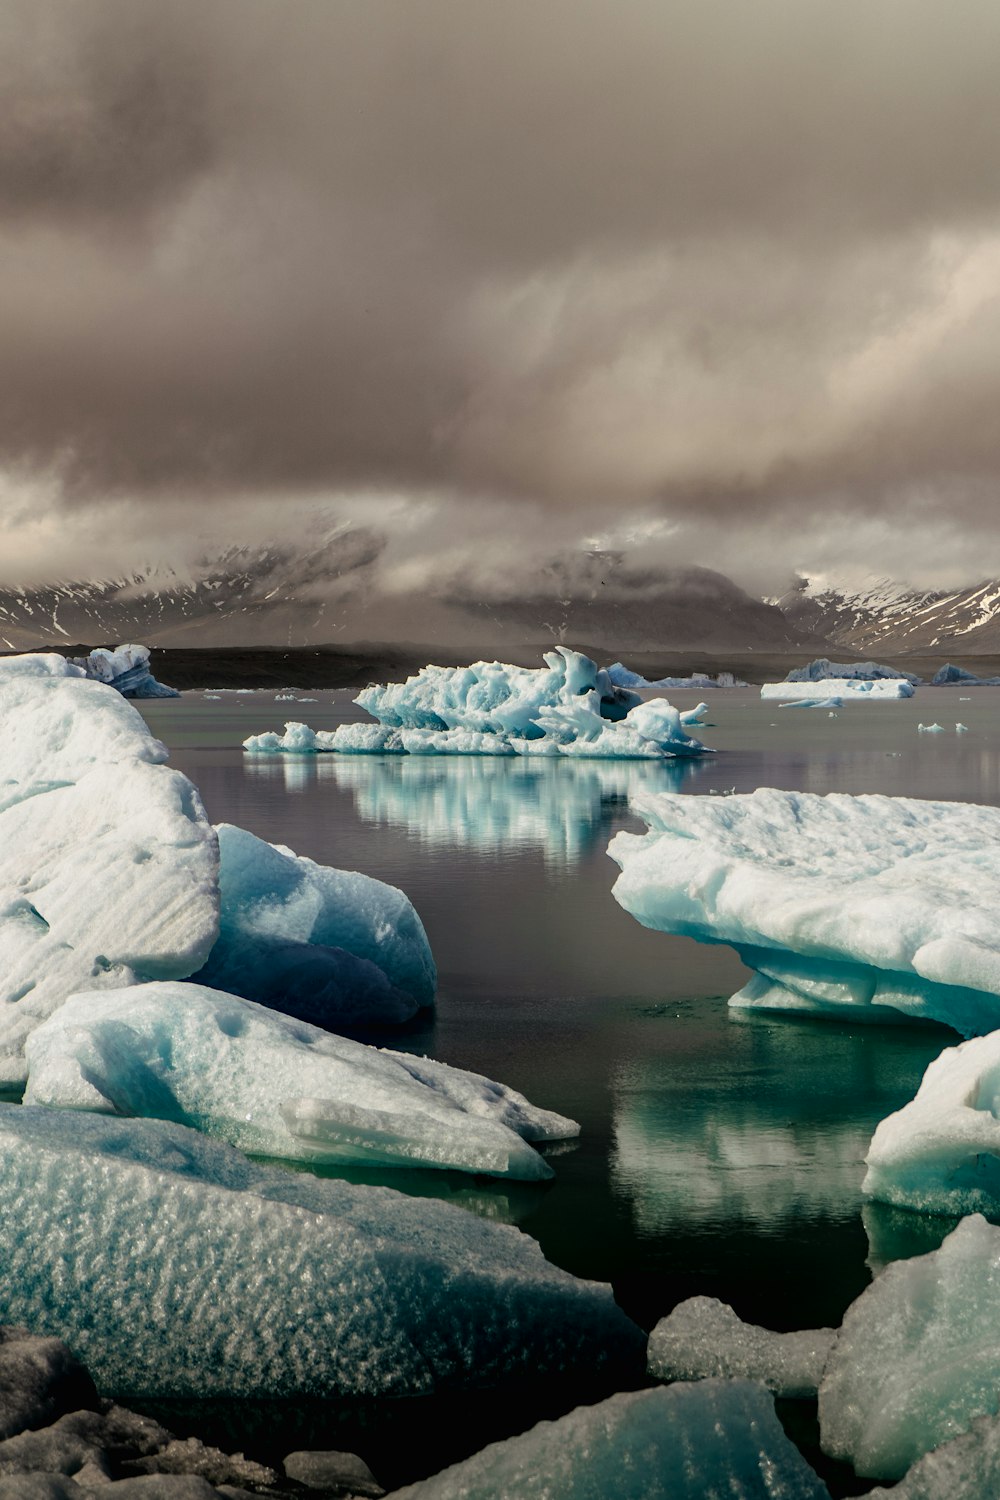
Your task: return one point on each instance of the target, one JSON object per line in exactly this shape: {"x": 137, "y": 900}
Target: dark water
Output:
{"x": 720, "y": 1153}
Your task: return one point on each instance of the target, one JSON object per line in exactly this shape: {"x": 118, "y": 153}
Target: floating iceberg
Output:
{"x": 823, "y": 668}
{"x": 126, "y": 669}
{"x": 835, "y": 900}
{"x": 918, "y": 1356}
{"x": 174, "y": 1266}
{"x": 703, "y": 1337}
{"x": 814, "y": 703}
{"x": 716, "y": 1437}
{"x": 930, "y": 729}
{"x": 108, "y": 865}
{"x": 941, "y": 1153}
{"x": 850, "y": 689}
{"x": 277, "y": 1087}
{"x": 568, "y": 708}
{"x": 623, "y": 678}
{"x": 333, "y": 947}
{"x": 949, "y": 673}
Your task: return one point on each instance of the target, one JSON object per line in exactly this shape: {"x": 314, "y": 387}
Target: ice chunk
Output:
{"x": 343, "y": 1473}
{"x": 816, "y": 703}
{"x": 918, "y": 1357}
{"x": 952, "y": 674}
{"x": 850, "y": 689}
{"x": 930, "y": 728}
{"x": 961, "y": 728}
{"x": 622, "y": 677}
{"x": 174, "y": 1266}
{"x": 38, "y": 664}
{"x": 126, "y": 669}
{"x": 277, "y": 1087}
{"x": 823, "y": 668}
{"x": 941, "y": 1152}
{"x": 298, "y": 739}
{"x": 107, "y": 862}
{"x": 867, "y": 899}
{"x": 704, "y": 1337}
{"x": 967, "y": 1468}
{"x": 326, "y": 945}
{"x": 686, "y": 1442}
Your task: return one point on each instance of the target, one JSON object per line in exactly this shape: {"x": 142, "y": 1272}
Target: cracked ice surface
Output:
{"x": 172, "y": 1265}
{"x": 837, "y": 900}
{"x": 277, "y": 1087}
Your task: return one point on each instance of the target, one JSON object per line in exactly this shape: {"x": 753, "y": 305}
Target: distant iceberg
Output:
{"x": 277, "y": 1087}
{"x": 949, "y": 673}
{"x": 874, "y": 904}
{"x": 126, "y": 669}
{"x": 623, "y": 678}
{"x": 823, "y": 668}
{"x": 849, "y": 689}
{"x": 568, "y": 708}
{"x": 174, "y": 1266}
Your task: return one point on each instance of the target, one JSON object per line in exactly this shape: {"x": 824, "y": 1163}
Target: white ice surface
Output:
{"x": 330, "y": 946}
{"x": 107, "y": 862}
{"x": 704, "y": 1337}
{"x": 278, "y": 1087}
{"x": 918, "y": 1356}
{"x": 840, "y": 899}
{"x": 850, "y": 689}
{"x": 941, "y": 1152}
{"x": 38, "y": 664}
{"x": 172, "y": 1265}
{"x": 689, "y": 1442}
{"x": 967, "y": 1468}
{"x": 622, "y": 677}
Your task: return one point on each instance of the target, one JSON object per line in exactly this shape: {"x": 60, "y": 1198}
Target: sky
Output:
{"x": 469, "y": 286}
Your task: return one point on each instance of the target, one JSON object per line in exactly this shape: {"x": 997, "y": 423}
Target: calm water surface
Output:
{"x": 720, "y": 1153}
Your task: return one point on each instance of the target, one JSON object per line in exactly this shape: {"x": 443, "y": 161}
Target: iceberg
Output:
{"x": 330, "y": 946}
{"x": 967, "y": 1468}
{"x": 941, "y": 1152}
{"x": 568, "y": 708}
{"x": 866, "y": 671}
{"x": 918, "y": 1356}
{"x": 949, "y": 674}
{"x": 277, "y": 1087}
{"x": 814, "y": 703}
{"x": 38, "y": 664}
{"x": 108, "y": 864}
{"x": 836, "y": 901}
{"x": 704, "y": 1338}
{"x": 126, "y": 669}
{"x": 850, "y": 689}
{"x": 174, "y": 1266}
{"x": 623, "y": 678}
{"x": 716, "y": 1437}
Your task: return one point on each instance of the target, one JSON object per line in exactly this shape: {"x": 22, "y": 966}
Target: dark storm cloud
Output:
{"x": 727, "y": 260}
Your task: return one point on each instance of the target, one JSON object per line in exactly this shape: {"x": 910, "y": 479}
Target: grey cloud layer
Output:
{"x": 733, "y": 262}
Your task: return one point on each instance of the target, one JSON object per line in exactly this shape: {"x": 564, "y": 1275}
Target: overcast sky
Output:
{"x": 488, "y": 280}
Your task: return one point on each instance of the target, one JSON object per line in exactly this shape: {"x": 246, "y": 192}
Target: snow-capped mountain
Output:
{"x": 893, "y": 618}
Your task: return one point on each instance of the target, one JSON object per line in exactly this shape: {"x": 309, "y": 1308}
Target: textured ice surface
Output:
{"x": 278, "y": 1087}
{"x": 570, "y": 707}
{"x": 688, "y": 1442}
{"x": 704, "y": 1337}
{"x": 941, "y": 1153}
{"x": 173, "y": 1265}
{"x": 126, "y": 669}
{"x": 38, "y": 664}
{"x": 107, "y": 861}
{"x": 838, "y": 900}
{"x": 949, "y": 673}
{"x": 967, "y": 1468}
{"x": 918, "y": 1356}
{"x": 330, "y": 946}
{"x": 622, "y": 677}
{"x": 850, "y": 689}
{"x": 868, "y": 671}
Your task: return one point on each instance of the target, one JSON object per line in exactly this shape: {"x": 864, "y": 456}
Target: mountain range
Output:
{"x": 879, "y": 615}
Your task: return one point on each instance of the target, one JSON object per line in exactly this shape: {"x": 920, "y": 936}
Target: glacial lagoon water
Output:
{"x": 720, "y": 1153}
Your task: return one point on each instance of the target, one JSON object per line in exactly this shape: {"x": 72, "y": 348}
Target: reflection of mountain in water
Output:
{"x": 773, "y": 1130}
{"x": 487, "y": 803}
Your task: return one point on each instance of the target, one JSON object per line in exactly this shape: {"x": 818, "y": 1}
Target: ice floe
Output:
{"x": 173, "y": 1265}
{"x": 941, "y": 1152}
{"x": 277, "y": 1087}
{"x": 715, "y": 1437}
{"x": 918, "y": 1356}
{"x": 837, "y": 901}
{"x": 622, "y": 677}
{"x": 108, "y": 864}
{"x": 703, "y": 1337}
{"x": 568, "y": 708}
{"x": 850, "y": 689}
{"x": 329, "y": 946}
